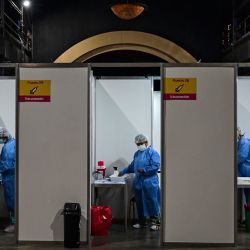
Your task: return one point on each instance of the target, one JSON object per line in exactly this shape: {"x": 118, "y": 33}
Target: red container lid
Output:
{"x": 100, "y": 163}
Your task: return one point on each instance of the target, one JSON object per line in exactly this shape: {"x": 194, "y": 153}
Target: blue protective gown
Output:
{"x": 7, "y": 169}
{"x": 244, "y": 161}
{"x": 244, "y": 157}
{"x": 146, "y": 185}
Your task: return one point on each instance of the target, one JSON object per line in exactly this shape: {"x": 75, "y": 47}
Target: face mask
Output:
{"x": 1, "y": 141}
{"x": 142, "y": 147}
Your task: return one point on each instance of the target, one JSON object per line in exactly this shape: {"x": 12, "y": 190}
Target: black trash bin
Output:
{"x": 72, "y": 216}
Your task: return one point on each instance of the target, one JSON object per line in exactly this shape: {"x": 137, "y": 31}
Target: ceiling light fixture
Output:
{"x": 128, "y": 11}
{"x": 26, "y": 3}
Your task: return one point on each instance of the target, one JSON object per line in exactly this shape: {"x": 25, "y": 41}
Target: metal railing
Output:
{"x": 13, "y": 27}
{"x": 243, "y": 28}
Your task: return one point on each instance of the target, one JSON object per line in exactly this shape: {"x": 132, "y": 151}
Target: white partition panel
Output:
{"x": 53, "y": 154}
{"x": 156, "y": 121}
{"x": 8, "y": 105}
{"x": 123, "y": 110}
{"x": 243, "y": 104}
{"x": 199, "y": 156}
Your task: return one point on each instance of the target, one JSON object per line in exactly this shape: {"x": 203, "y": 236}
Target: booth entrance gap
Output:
{"x": 126, "y": 101}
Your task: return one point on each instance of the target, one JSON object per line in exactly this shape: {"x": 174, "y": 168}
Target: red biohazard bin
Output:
{"x": 101, "y": 217}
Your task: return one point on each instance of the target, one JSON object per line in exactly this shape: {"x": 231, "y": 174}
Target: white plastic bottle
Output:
{"x": 116, "y": 172}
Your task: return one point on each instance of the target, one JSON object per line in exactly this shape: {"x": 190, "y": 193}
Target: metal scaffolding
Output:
{"x": 15, "y": 33}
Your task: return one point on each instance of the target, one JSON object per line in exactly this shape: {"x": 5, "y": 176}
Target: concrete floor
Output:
{"x": 118, "y": 240}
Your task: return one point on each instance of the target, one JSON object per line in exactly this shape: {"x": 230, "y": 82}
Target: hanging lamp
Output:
{"x": 128, "y": 11}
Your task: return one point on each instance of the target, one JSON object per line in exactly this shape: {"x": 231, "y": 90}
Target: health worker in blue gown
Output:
{"x": 7, "y": 170}
{"x": 145, "y": 165}
{"x": 243, "y": 156}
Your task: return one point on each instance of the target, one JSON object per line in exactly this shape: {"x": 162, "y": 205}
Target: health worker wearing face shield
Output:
{"x": 145, "y": 165}
{"x": 7, "y": 170}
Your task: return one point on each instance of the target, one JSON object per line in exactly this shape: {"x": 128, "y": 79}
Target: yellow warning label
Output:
{"x": 179, "y": 85}
{"x": 35, "y": 90}
{"x": 34, "y": 87}
{"x": 179, "y": 89}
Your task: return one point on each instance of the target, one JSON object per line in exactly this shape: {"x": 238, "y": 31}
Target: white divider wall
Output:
{"x": 243, "y": 104}
{"x": 199, "y": 172}
{"x": 123, "y": 110}
{"x": 53, "y": 154}
{"x": 8, "y": 105}
{"x": 157, "y": 121}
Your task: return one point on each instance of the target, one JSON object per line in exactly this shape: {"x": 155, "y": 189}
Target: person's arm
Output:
{"x": 152, "y": 166}
{"x": 1, "y": 167}
{"x": 243, "y": 151}
{"x": 128, "y": 170}
{"x": 7, "y": 160}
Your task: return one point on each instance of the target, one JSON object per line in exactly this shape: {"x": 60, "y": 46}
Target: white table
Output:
{"x": 243, "y": 182}
{"x": 113, "y": 184}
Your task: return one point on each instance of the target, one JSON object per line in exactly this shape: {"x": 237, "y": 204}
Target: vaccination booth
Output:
{"x": 191, "y": 121}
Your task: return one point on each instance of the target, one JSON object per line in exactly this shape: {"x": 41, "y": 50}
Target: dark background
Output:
{"x": 194, "y": 25}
